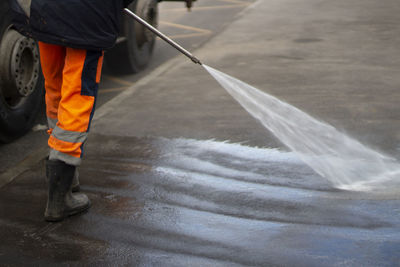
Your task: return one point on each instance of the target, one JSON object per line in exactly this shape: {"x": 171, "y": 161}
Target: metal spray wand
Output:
{"x": 162, "y": 36}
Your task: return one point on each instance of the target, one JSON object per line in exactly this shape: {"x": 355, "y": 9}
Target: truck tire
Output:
{"x": 134, "y": 49}
{"x": 21, "y": 80}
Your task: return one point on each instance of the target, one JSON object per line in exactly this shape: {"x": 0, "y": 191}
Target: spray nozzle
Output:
{"x": 196, "y": 60}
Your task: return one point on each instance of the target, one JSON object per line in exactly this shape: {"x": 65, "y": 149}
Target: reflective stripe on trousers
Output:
{"x": 71, "y": 82}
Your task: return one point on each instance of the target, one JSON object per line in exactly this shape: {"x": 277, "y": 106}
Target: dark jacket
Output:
{"x": 86, "y": 24}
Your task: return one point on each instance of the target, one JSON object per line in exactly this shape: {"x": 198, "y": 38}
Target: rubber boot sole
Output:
{"x": 68, "y": 213}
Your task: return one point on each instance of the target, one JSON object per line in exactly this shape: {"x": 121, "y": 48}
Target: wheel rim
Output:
{"x": 19, "y": 68}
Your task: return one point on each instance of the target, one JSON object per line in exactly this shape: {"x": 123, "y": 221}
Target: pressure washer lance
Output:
{"x": 162, "y": 36}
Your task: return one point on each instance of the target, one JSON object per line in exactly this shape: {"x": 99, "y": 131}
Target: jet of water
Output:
{"x": 344, "y": 161}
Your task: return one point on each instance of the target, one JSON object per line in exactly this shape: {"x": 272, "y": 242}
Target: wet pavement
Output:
{"x": 169, "y": 190}
{"x": 182, "y": 202}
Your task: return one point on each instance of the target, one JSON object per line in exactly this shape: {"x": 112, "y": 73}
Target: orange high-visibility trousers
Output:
{"x": 71, "y": 82}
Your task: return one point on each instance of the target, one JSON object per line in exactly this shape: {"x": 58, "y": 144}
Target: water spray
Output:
{"x": 163, "y": 36}
{"x": 344, "y": 161}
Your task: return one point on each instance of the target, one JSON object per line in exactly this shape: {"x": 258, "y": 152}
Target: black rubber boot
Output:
{"x": 75, "y": 187}
{"x": 61, "y": 202}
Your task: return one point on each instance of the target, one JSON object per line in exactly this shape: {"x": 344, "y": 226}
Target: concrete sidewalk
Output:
{"x": 164, "y": 194}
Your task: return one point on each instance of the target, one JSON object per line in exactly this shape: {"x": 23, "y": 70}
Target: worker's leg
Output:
{"x": 81, "y": 75}
{"x": 52, "y": 59}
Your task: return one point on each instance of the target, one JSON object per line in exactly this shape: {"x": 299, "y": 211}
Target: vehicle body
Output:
{"x": 21, "y": 80}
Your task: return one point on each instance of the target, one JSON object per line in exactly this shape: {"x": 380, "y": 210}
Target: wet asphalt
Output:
{"x": 185, "y": 202}
{"x": 180, "y": 175}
